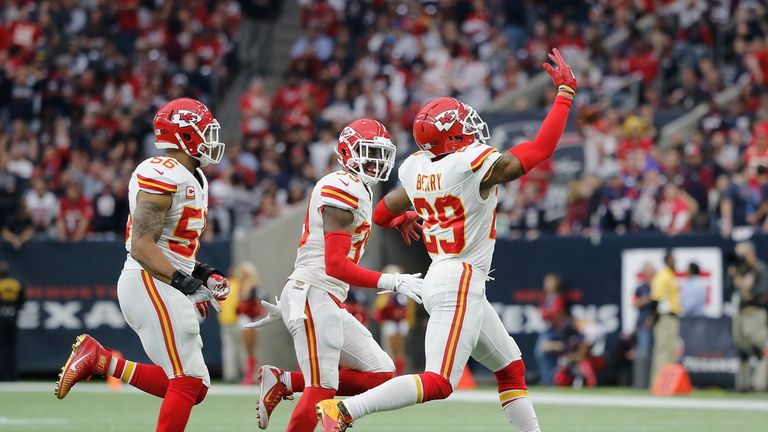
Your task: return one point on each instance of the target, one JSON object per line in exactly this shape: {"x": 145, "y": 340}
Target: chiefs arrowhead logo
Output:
{"x": 347, "y": 133}
{"x": 185, "y": 118}
{"x": 446, "y": 119}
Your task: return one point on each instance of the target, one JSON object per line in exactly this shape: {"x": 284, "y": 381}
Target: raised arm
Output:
{"x": 523, "y": 157}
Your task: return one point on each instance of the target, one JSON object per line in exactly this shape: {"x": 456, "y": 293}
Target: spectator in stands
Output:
{"x": 646, "y": 315}
{"x": 693, "y": 292}
{"x": 665, "y": 293}
{"x": 254, "y": 110}
{"x": 110, "y": 211}
{"x": 9, "y": 189}
{"x": 525, "y": 218}
{"x": 18, "y": 228}
{"x": 749, "y": 276}
{"x": 616, "y": 205}
{"x": 75, "y": 213}
{"x": 673, "y": 214}
{"x": 11, "y": 302}
{"x": 255, "y": 46}
{"x": 738, "y": 203}
{"x": 556, "y": 316}
{"x": 42, "y": 205}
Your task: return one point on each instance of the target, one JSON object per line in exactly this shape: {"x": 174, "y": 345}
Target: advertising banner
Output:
{"x": 71, "y": 288}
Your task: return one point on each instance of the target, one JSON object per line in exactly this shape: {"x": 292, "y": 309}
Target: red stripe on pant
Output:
{"x": 458, "y": 321}
{"x": 314, "y": 364}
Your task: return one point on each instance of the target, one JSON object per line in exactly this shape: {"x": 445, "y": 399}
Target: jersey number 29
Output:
{"x": 438, "y": 215}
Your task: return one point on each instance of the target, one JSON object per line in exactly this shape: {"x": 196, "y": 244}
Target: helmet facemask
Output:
{"x": 472, "y": 124}
{"x": 211, "y": 151}
{"x": 377, "y": 155}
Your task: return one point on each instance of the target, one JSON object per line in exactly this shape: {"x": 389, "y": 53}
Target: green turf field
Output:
{"x": 92, "y": 409}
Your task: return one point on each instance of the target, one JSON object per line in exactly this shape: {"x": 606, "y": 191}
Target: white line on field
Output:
{"x": 6, "y": 421}
{"x": 481, "y": 396}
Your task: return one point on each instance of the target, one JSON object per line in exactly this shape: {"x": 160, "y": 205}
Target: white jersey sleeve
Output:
{"x": 341, "y": 190}
{"x": 478, "y": 159}
{"x": 160, "y": 175}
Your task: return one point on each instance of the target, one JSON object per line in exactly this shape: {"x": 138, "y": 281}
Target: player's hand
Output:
{"x": 406, "y": 284}
{"x": 203, "y": 308}
{"x": 562, "y": 75}
{"x": 410, "y": 228}
{"x": 219, "y": 286}
{"x": 273, "y": 314}
{"x": 204, "y": 300}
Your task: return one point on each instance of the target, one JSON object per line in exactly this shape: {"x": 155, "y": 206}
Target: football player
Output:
{"x": 162, "y": 288}
{"x": 326, "y": 337}
{"x": 452, "y": 184}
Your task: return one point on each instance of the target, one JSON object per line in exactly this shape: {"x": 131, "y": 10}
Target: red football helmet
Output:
{"x": 444, "y": 125}
{"x": 365, "y": 149}
{"x": 188, "y": 125}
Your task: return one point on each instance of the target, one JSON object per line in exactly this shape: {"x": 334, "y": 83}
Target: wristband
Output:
{"x": 203, "y": 271}
{"x": 566, "y": 92}
{"x": 185, "y": 283}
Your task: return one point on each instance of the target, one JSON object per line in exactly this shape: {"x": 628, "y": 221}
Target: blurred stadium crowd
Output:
{"x": 79, "y": 81}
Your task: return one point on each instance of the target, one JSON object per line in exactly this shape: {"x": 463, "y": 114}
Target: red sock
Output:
{"x": 145, "y": 377}
{"x": 353, "y": 382}
{"x": 177, "y": 405}
{"x": 297, "y": 381}
{"x": 304, "y": 417}
{"x": 511, "y": 382}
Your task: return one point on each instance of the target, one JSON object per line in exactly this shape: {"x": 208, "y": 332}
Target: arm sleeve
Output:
{"x": 532, "y": 153}
{"x": 339, "y": 266}
{"x": 384, "y": 217}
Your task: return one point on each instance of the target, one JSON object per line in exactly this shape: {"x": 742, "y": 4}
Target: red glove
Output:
{"x": 219, "y": 286}
{"x": 407, "y": 223}
{"x": 409, "y": 227}
{"x": 203, "y": 308}
{"x": 563, "y": 75}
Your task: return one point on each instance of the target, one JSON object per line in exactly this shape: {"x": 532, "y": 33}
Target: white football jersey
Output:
{"x": 345, "y": 191}
{"x": 185, "y": 220}
{"x": 459, "y": 224}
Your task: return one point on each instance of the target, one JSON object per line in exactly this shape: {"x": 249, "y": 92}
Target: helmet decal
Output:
{"x": 185, "y": 118}
{"x": 446, "y": 119}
